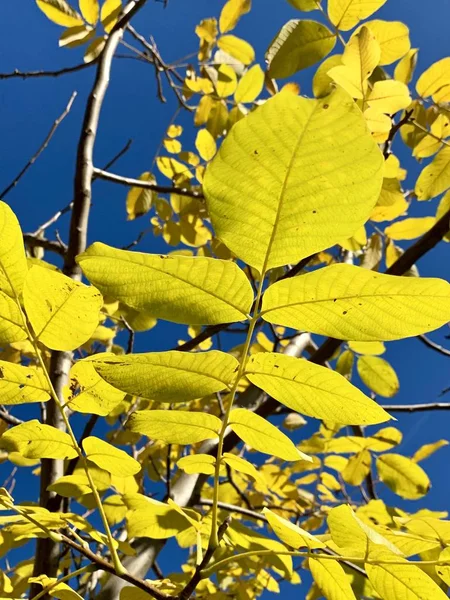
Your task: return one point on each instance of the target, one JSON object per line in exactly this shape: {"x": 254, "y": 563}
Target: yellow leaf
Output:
{"x": 11, "y": 323}
{"x": 197, "y": 463}
{"x": 291, "y": 534}
{"x": 389, "y": 96}
{"x": 205, "y": 144}
{"x": 443, "y": 208}
{"x": 225, "y": 80}
{"x": 19, "y": 385}
{"x": 174, "y": 131}
{"x": 298, "y": 45}
{"x": 257, "y": 213}
{"x": 345, "y": 14}
{"x": 242, "y": 466}
{"x": 312, "y": 390}
{"x": 391, "y": 202}
{"x": 34, "y": 440}
{"x": 344, "y": 364}
{"x": 401, "y": 580}
{"x": 444, "y": 570}
{"x": 322, "y": 84}
{"x": 377, "y": 122}
{"x": 153, "y": 519}
{"x": 428, "y": 449}
{"x": 94, "y": 49}
{"x": 64, "y": 313}
{"x": 168, "y": 376}
{"x": 403, "y": 476}
{"x": 305, "y": 5}
{"x": 393, "y": 37}
{"x": 358, "y": 304}
{"x": 109, "y": 14}
{"x": 138, "y": 320}
{"x": 90, "y": 10}
{"x": 430, "y": 144}
{"x": 232, "y": 11}
{"x": 378, "y": 375}
{"x": 262, "y": 436}
{"x": 110, "y": 459}
{"x": 237, "y": 48}
{"x": 60, "y": 12}
{"x": 139, "y": 200}
{"x": 190, "y": 290}
{"x": 170, "y": 167}
{"x": 58, "y": 590}
{"x": 384, "y": 439}
{"x": 331, "y": 579}
{"x": 76, "y": 36}
{"x": 361, "y": 56}
{"x": 435, "y": 80}
{"x": 404, "y": 70}
{"x": 357, "y": 468}
{"x": 175, "y": 426}
{"x": 410, "y": 229}
{"x": 373, "y": 348}
{"x": 250, "y": 85}
{"x": 13, "y": 263}
{"x": 435, "y": 177}
{"x": 171, "y": 145}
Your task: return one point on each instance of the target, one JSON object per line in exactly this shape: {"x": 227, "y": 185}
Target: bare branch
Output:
{"x": 416, "y": 407}
{"x": 16, "y": 74}
{"x": 146, "y": 185}
{"x": 8, "y": 418}
{"x": 33, "y": 241}
{"x": 42, "y": 147}
{"x": 425, "y": 340}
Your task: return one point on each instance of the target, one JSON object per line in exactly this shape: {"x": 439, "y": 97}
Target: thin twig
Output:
{"x": 42, "y": 147}
{"x": 146, "y": 185}
{"x": 433, "y": 345}
{"x": 416, "y": 407}
{"x": 8, "y": 418}
{"x": 33, "y": 241}
{"x": 16, "y": 74}
{"x": 387, "y": 149}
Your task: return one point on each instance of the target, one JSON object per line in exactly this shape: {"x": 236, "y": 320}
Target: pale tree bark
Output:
{"x": 47, "y": 551}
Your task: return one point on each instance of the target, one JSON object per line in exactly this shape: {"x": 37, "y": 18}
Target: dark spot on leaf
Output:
{"x": 314, "y": 212}
{"x": 21, "y": 386}
{"x": 345, "y": 312}
{"x": 49, "y": 306}
{"x": 334, "y": 300}
{"x": 255, "y": 152}
{"x": 325, "y": 106}
{"x": 1, "y": 373}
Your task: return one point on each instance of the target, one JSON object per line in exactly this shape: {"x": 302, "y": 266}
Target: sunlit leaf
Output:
{"x": 435, "y": 80}
{"x": 242, "y": 466}
{"x": 60, "y": 12}
{"x": 76, "y": 36}
{"x": 140, "y": 200}
{"x": 403, "y": 476}
{"x": 291, "y": 534}
{"x": 330, "y": 577}
{"x": 64, "y": 313}
{"x": 312, "y": 390}
{"x": 111, "y": 459}
{"x": 13, "y": 263}
{"x": 393, "y": 37}
{"x": 93, "y": 394}
{"x": 168, "y": 376}
{"x": 262, "y": 436}
{"x": 11, "y": 323}
{"x": 250, "y": 85}
{"x": 197, "y": 463}
{"x": 345, "y": 14}
{"x": 90, "y": 10}
{"x": 435, "y": 177}
{"x": 410, "y": 229}
{"x": 298, "y": 45}
{"x": 35, "y": 440}
{"x": 389, "y": 96}
{"x": 176, "y": 288}
{"x": 19, "y": 384}
{"x": 258, "y": 212}
{"x": 237, "y": 48}
{"x": 175, "y": 426}
{"x": 378, "y": 375}
{"x": 428, "y": 449}
{"x": 232, "y": 11}
{"x": 205, "y": 144}
{"x": 109, "y": 13}
{"x": 358, "y": 304}
{"x": 404, "y": 70}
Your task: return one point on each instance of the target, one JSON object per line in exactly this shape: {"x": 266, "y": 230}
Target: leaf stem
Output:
{"x": 214, "y": 539}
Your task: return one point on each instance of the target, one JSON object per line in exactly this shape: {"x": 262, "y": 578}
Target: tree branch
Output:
{"x": 46, "y": 550}
{"x": 416, "y": 407}
{"x": 146, "y": 185}
{"x": 16, "y": 74}
{"x": 8, "y": 418}
{"x": 42, "y": 147}
{"x": 433, "y": 345}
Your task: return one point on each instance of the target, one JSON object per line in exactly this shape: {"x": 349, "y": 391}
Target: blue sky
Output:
{"x": 132, "y": 110}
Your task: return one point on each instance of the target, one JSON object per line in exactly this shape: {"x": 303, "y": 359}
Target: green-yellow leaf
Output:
{"x": 401, "y": 580}
{"x": 312, "y": 390}
{"x": 357, "y": 468}
{"x": 410, "y": 229}
{"x": 435, "y": 81}
{"x": 94, "y": 49}
{"x": 175, "y": 426}
{"x": 195, "y": 291}
{"x": 393, "y": 37}
{"x": 153, "y": 519}
{"x": 64, "y": 313}
{"x": 263, "y": 436}
{"x": 428, "y": 449}
{"x": 242, "y": 466}
{"x": 403, "y": 476}
{"x": 110, "y": 459}
{"x": 56, "y": 589}
{"x": 352, "y": 303}
{"x": 90, "y": 11}
{"x": 60, "y": 12}
{"x": 237, "y": 48}
{"x": 168, "y": 376}
{"x": 389, "y": 96}
{"x": 76, "y": 36}
{"x": 13, "y": 262}
{"x": 250, "y": 85}
{"x": 35, "y": 440}
{"x": 11, "y": 324}
{"x": 331, "y": 579}
{"x": 197, "y": 463}
{"x": 305, "y": 5}
{"x": 140, "y": 200}
{"x": 372, "y": 348}
{"x": 109, "y": 13}
{"x": 298, "y": 45}
{"x": 361, "y": 56}
{"x": 94, "y": 395}
{"x": 404, "y": 70}
{"x": 291, "y": 534}
{"x": 272, "y": 217}
{"x": 378, "y": 375}
{"x": 444, "y": 570}
{"x": 345, "y": 14}
{"x": 232, "y": 11}
{"x": 20, "y": 385}
{"x": 435, "y": 177}
{"x": 322, "y": 83}
{"x": 205, "y": 144}
{"x": 224, "y": 79}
